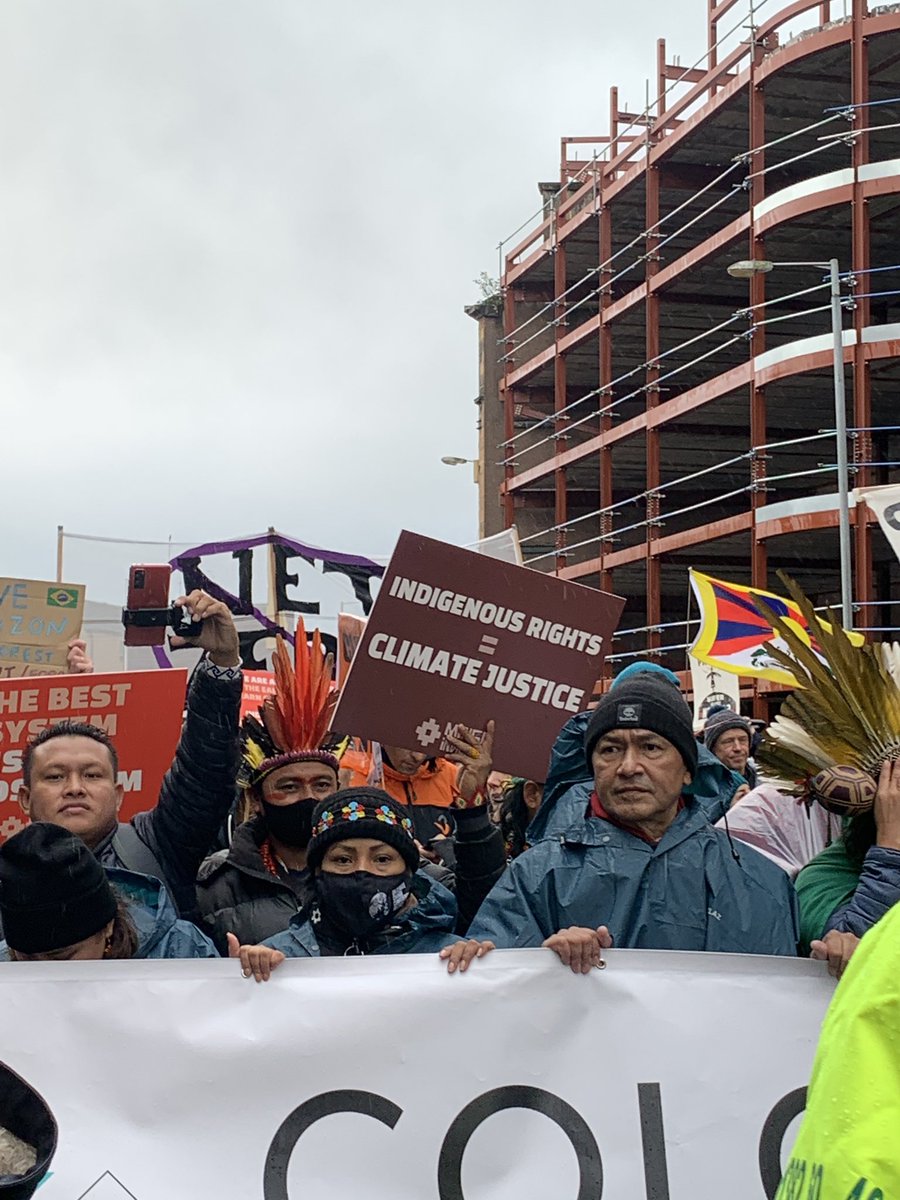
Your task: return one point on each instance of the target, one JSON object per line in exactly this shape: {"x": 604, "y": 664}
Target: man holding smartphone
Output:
{"x": 70, "y": 771}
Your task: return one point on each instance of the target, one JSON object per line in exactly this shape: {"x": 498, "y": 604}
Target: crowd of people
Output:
{"x": 282, "y": 837}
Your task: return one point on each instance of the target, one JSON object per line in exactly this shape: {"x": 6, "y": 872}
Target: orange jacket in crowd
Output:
{"x": 427, "y": 792}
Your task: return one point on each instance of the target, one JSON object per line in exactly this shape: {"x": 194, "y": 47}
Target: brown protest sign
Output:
{"x": 37, "y": 619}
{"x": 459, "y": 638}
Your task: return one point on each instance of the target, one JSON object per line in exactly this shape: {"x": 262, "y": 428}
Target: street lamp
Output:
{"x": 451, "y": 460}
{"x": 758, "y": 266}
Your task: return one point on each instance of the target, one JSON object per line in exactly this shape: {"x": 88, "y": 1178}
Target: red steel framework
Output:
{"x": 659, "y": 414}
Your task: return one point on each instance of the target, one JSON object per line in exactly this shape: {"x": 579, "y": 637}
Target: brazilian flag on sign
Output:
{"x": 62, "y": 598}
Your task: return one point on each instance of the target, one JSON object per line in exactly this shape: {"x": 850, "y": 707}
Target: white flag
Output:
{"x": 712, "y": 686}
{"x": 885, "y": 504}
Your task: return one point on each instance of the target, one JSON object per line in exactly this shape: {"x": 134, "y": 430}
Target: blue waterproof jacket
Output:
{"x": 425, "y": 928}
{"x": 692, "y": 891}
{"x": 568, "y": 786}
{"x": 161, "y": 934}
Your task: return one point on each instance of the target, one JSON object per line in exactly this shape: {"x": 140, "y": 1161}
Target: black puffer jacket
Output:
{"x": 172, "y": 840}
{"x": 236, "y": 894}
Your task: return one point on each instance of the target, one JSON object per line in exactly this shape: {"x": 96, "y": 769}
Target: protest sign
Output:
{"x": 459, "y": 638}
{"x": 257, "y": 685}
{"x": 663, "y": 1075}
{"x": 140, "y": 710}
{"x": 37, "y": 619}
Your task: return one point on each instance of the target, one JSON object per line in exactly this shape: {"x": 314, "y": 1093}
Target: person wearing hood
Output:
{"x": 28, "y": 1136}
{"x": 368, "y": 896}
{"x": 643, "y": 868}
{"x": 58, "y": 904}
{"x": 569, "y": 783}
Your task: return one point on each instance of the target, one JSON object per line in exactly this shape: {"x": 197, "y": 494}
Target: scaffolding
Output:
{"x": 659, "y": 414}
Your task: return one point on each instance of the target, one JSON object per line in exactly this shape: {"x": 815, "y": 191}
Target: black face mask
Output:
{"x": 361, "y": 903}
{"x": 290, "y": 824}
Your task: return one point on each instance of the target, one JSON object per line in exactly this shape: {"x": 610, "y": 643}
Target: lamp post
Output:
{"x": 453, "y": 460}
{"x": 746, "y": 270}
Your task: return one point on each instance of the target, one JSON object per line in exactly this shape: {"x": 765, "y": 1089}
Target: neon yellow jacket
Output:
{"x": 849, "y": 1143}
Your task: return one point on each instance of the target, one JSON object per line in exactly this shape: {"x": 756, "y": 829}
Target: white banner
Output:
{"x": 662, "y": 1076}
{"x": 885, "y": 504}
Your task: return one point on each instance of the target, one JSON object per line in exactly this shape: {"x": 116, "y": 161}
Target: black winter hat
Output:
{"x": 365, "y": 812}
{"x": 720, "y": 722}
{"x": 53, "y": 892}
{"x": 644, "y": 702}
{"x": 25, "y": 1113}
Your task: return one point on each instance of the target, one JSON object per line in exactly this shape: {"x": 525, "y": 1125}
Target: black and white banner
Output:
{"x": 661, "y": 1076}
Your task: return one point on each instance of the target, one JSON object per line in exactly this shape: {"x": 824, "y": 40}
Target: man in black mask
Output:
{"x": 254, "y": 888}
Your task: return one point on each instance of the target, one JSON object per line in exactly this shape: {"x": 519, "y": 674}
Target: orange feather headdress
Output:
{"x": 293, "y": 723}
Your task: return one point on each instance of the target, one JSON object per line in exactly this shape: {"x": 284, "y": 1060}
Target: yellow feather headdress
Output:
{"x": 846, "y": 711}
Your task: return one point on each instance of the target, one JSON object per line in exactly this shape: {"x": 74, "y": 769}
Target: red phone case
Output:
{"x": 148, "y": 587}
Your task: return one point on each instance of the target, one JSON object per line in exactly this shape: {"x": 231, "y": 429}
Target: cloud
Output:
{"x": 236, "y": 240}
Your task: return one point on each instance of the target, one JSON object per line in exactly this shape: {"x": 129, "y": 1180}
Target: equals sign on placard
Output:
{"x": 488, "y": 644}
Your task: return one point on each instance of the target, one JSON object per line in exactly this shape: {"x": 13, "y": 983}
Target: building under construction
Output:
{"x": 642, "y": 410}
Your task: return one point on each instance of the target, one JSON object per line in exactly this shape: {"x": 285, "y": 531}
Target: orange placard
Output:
{"x": 350, "y": 631}
{"x": 257, "y": 685}
{"x": 140, "y": 710}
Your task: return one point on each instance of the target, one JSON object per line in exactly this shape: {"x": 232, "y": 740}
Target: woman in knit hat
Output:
{"x": 58, "y": 903}
{"x": 367, "y": 897}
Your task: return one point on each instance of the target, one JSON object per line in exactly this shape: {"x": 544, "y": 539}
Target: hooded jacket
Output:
{"x": 161, "y": 933}
{"x": 568, "y": 786}
{"x": 26, "y": 1115}
{"x": 236, "y": 894}
{"x": 694, "y": 890}
{"x": 172, "y": 839}
{"x": 425, "y": 928}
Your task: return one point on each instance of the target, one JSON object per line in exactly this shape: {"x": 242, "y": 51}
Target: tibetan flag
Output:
{"x": 733, "y": 632}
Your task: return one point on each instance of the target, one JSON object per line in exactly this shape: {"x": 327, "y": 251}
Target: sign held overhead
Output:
{"x": 456, "y": 638}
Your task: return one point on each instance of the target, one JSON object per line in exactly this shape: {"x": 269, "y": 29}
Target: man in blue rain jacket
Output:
{"x": 640, "y": 865}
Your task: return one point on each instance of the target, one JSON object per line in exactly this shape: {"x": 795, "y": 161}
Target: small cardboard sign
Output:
{"x": 350, "y": 631}
{"x": 37, "y": 619}
{"x": 140, "y": 710}
{"x": 456, "y": 638}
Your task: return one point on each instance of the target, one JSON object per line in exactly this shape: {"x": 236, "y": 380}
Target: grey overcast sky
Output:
{"x": 236, "y": 238}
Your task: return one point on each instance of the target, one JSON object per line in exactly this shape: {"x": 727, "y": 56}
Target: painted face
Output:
{"x": 299, "y": 781}
{"x": 73, "y": 785}
{"x": 639, "y": 777}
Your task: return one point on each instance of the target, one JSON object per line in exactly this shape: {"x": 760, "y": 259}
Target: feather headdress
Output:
{"x": 293, "y": 723}
{"x": 847, "y": 709}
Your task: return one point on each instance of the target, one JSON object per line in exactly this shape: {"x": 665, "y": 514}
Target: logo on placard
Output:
{"x": 62, "y": 598}
{"x": 629, "y": 714}
{"x": 428, "y": 733}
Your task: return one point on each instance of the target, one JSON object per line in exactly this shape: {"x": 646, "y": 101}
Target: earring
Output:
{"x": 107, "y": 945}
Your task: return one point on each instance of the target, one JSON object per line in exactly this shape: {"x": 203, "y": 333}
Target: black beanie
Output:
{"x": 644, "y": 702}
{"x": 26, "y": 1115}
{"x": 53, "y": 892}
{"x": 365, "y": 812}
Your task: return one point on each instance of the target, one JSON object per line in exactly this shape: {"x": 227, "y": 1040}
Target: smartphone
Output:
{"x": 148, "y": 587}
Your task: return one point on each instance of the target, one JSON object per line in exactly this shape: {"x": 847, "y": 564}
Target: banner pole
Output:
{"x": 272, "y": 598}
{"x": 59, "y": 554}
